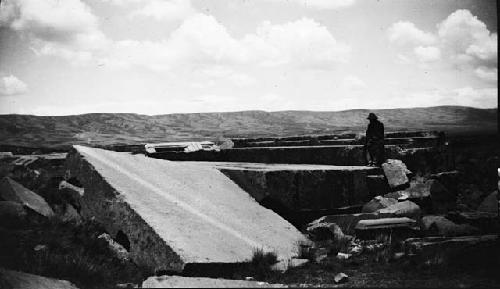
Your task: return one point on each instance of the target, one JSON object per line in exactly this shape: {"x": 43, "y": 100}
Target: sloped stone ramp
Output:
{"x": 174, "y": 214}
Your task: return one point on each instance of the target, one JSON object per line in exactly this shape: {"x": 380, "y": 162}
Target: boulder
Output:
{"x": 402, "y": 209}
{"x": 418, "y": 190}
{"x": 340, "y": 278}
{"x": 429, "y": 194}
{"x": 319, "y": 230}
{"x": 439, "y": 225}
{"x": 490, "y": 204}
{"x": 20, "y": 280}
{"x": 378, "y": 203}
{"x": 396, "y": 173}
{"x": 202, "y": 282}
{"x": 118, "y": 250}
{"x": 10, "y": 190}
{"x": 71, "y": 193}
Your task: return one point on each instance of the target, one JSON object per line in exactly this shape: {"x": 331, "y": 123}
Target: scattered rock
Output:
{"x": 40, "y": 247}
{"x": 398, "y": 255}
{"x": 340, "y": 278}
{"x": 10, "y": 190}
{"x": 119, "y": 251}
{"x": 343, "y": 256}
{"x": 71, "y": 193}
{"x": 378, "y": 203}
{"x": 402, "y": 209}
{"x": 490, "y": 204}
{"x": 319, "y": 230}
{"x": 202, "y": 282}
{"x": 439, "y": 225}
{"x": 396, "y": 173}
{"x": 20, "y": 280}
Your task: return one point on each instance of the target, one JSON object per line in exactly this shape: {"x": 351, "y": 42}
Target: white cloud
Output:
{"x": 165, "y": 10}
{"x": 320, "y": 4}
{"x": 11, "y": 85}
{"x": 461, "y": 40}
{"x": 202, "y": 40}
{"x": 464, "y": 35}
{"x": 304, "y": 42}
{"x": 63, "y": 28}
{"x": 68, "y": 29}
{"x": 489, "y": 74}
{"x": 427, "y": 53}
{"x": 406, "y": 33}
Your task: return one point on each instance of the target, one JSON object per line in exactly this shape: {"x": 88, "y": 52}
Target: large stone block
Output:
{"x": 10, "y": 190}
{"x": 175, "y": 214}
{"x": 300, "y": 187}
{"x": 396, "y": 173}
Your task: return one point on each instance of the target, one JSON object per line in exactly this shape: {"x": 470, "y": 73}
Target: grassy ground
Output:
{"x": 370, "y": 270}
{"x": 70, "y": 252}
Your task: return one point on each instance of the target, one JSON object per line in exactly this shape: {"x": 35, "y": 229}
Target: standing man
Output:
{"x": 374, "y": 142}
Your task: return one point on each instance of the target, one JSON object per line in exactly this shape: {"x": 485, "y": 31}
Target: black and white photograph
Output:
{"x": 249, "y": 143}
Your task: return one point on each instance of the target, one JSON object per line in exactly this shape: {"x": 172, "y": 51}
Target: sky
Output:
{"x": 64, "y": 57}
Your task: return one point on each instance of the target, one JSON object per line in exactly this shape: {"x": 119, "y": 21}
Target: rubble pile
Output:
{"x": 415, "y": 218}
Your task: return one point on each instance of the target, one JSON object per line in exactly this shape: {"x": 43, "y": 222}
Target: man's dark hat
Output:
{"x": 372, "y": 116}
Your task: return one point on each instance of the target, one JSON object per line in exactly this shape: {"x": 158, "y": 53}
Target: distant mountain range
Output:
{"x": 127, "y": 128}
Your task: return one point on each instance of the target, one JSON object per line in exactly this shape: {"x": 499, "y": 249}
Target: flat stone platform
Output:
{"x": 175, "y": 214}
{"x": 427, "y": 159}
{"x": 292, "y": 188}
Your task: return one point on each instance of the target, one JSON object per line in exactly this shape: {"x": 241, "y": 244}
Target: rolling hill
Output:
{"x": 103, "y": 129}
